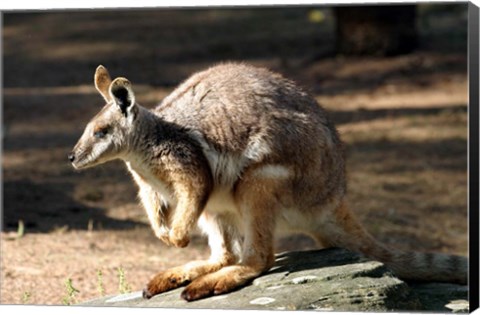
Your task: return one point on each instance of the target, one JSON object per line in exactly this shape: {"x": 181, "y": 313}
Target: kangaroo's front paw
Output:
{"x": 164, "y": 236}
{"x": 179, "y": 238}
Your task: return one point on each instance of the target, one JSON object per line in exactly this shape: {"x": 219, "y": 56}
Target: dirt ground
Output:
{"x": 403, "y": 119}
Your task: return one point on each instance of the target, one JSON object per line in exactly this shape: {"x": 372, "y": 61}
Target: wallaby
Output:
{"x": 244, "y": 153}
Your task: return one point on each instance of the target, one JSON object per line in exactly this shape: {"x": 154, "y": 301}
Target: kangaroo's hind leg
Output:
{"x": 257, "y": 197}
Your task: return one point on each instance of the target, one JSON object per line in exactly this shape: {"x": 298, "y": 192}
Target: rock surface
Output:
{"x": 329, "y": 279}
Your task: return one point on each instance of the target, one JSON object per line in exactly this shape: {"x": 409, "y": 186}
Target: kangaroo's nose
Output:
{"x": 71, "y": 157}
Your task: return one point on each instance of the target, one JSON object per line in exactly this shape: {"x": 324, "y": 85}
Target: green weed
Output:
{"x": 20, "y": 229}
{"x": 123, "y": 286}
{"x": 100, "y": 286}
{"x": 26, "y": 297}
{"x": 70, "y": 298}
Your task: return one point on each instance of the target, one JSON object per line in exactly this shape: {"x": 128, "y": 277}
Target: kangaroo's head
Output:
{"x": 106, "y": 136}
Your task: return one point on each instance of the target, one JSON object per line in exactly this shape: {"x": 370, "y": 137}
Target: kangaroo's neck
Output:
{"x": 151, "y": 137}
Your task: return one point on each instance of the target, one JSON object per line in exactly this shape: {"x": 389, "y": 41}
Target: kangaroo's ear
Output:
{"x": 102, "y": 82}
{"x": 122, "y": 94}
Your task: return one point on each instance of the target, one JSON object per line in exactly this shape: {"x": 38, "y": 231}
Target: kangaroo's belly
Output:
{"x": 221, "y": 201}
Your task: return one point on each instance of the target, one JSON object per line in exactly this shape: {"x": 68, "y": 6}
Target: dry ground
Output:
{"x": 404, "y": 120}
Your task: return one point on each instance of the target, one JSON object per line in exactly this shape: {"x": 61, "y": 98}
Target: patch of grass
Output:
{"x": 70, "y": 298}
{"x": 26, "y": 297}
{"x": 19, "y": 234}
{"x": 100, "y": 286}
{"x": 123, "y": 285}
{"x": 21, "y": 229}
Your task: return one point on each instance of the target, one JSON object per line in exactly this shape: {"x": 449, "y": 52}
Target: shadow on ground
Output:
{"x": 46, "y": 207}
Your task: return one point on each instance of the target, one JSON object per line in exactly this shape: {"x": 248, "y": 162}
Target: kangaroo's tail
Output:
{"x": 348, "y": 233}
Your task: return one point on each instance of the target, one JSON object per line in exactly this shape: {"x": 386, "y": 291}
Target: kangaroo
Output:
{"x": 243, "y": 153}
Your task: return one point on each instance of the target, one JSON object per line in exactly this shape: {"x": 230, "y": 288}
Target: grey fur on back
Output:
{"x": 239, "y": 109}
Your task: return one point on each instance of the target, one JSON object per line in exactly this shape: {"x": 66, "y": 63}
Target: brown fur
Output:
{"x": 244, "y": 153}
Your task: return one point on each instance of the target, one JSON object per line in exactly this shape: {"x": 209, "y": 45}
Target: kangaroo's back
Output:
{"x": 231, "y": 102}
{"x": 258, "y": 115}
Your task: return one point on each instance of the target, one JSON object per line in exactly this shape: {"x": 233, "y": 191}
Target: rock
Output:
{"x": 329, "y": 279}
{"x": 444, "y": 297}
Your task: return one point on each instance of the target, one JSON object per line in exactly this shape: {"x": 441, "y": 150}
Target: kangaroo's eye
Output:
{"x": 100, "y": 133}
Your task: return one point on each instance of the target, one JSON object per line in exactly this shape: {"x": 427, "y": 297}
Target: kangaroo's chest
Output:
{"x": 144, "y": 177}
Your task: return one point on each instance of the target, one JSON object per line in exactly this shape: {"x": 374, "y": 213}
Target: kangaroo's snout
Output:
{"x": 71, "y": 156}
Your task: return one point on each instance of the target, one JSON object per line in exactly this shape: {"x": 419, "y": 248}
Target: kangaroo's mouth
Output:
{"x": 79, "y": 160}
{"x": 78, "y": 165}
{"x": 84, "y": 163}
